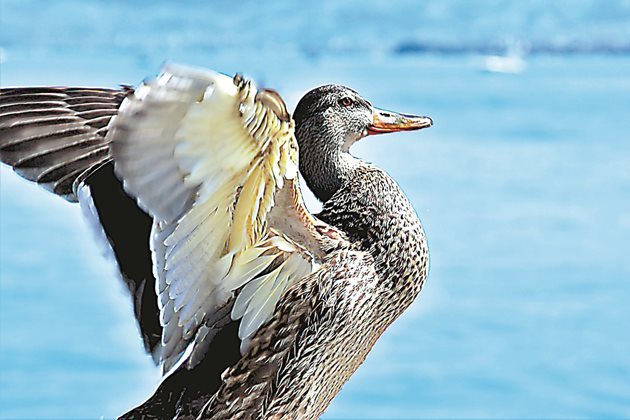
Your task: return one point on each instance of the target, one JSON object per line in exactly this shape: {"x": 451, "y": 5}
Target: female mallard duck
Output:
{"x": 254, "y": 307}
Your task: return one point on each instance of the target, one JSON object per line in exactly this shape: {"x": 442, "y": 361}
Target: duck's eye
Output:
{"x": 345, "y": 102}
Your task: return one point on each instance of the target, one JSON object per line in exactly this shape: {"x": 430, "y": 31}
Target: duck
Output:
{"x": 253, "y": 306}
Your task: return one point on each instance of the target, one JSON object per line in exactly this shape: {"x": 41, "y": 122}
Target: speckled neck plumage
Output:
{"x": 324, "y": 166}
{"x": 366, "y": 203}
{"x": 377, "y": 217}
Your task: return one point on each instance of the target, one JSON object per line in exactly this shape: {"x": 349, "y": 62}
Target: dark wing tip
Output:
{"x": 55, "y": 135}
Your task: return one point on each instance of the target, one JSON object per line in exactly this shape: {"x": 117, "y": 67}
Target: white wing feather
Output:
{"x": 205, "y": 157}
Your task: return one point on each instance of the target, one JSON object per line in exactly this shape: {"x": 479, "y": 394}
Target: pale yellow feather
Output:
{"x": 206, "y": 158}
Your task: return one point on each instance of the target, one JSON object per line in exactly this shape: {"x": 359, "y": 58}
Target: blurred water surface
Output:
{"x": 523, "y": 186}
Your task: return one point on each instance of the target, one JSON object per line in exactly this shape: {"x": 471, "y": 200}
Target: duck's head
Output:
{"x": 328, "y": 121}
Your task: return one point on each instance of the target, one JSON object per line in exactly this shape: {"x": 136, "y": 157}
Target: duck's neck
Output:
{"x": 326, "y": 170}
{"x": 378, "y": 218}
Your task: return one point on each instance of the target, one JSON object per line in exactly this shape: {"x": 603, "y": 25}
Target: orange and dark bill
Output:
{"x": 389, "y": 122}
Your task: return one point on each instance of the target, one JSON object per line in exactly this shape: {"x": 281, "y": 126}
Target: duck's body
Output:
{"x": 372, "y": 262}
{"x": 329, "y": 321}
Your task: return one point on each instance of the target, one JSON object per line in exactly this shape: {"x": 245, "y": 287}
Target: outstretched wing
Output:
{"x": 55, "y": 136}
{"x": 214, "y": 161}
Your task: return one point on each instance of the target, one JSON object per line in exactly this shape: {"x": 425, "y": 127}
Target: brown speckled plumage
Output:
{"x": 327, "y": 323}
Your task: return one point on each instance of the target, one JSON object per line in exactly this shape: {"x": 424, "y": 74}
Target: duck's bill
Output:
{"x": 389, "y": 122}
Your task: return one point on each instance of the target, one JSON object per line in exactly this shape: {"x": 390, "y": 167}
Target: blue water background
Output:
{"x": 523, "y": 186}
